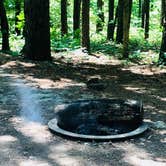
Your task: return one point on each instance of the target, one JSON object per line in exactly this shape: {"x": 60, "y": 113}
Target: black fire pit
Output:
{"x": 101, "y": 119}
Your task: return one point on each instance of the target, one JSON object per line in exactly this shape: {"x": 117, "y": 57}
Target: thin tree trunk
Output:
{"x": 64, "y": 26}
{"x": 100, "y": 19}
{"x": 76, "y": 18}
{"x": 4, "y": 27}
{"x": 119, "y": 36}
{"x": 17, "y": 12}
{"x": 85, "y": 25}
{"x": 162, "y": 11}
{"x": 143, "y": 14}
{"x": 147, "y": 8}
{"x": 140, "y": 8}
{"x": 162, "y": 56}
{"x": 37, "y": 30}
{"x": 111, "y": 21}
{"x": 126, "y": 26}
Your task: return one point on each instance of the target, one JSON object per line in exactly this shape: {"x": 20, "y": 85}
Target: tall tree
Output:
{"x": 162, "y": 56}
{"x": 37, "y": 30}
{"x": 76, "y": 18}
{"x": 143, "y": 14}
{"x": 119, "y": 35}
{"x": 147, "y": 11}
{"x": 139, "y": 6}
{"x": 111, "y": 21}
{"x": 4, "y": 27}
{"x": 85, "y": 25}
{"x": 162, "y": 11}
{"x": 100, "y": 14}
{"x": 64, "y": 26}
{"x": 126, "y": 26}
{"x": 17, "y": 12}
{"x": 145, "y": 17}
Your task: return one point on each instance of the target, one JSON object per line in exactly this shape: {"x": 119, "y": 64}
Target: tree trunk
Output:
{"x": 162, "y": 56}
{"x": 119, "y": 36}
{"x": 100, "y": 14}
{"x": 111, "y": 21}
{"x": 143, "y": 14}
{"x": 126, "y": 26}
{"x": 4, "y": 27}
{"x": 37, "y": 31}
{"x": 162, "y": 12}
{"x": 147, "y": 8}
{"x": 64, "y": 26}
{"x": 140, "y": 6}
{"x": 85, "y": 25}
{"x": 17, "y": 12}
{"x": 76, "y": 18}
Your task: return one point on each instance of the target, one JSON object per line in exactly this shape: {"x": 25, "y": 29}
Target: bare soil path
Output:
{"x": 29, "y": 93}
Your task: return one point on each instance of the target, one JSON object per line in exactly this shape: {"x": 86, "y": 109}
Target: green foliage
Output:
{"x": 66, "y": 42}
{"x": 21, "y": 22}
{"x": 138, "y": 45}
{"x": 16, "y": 43}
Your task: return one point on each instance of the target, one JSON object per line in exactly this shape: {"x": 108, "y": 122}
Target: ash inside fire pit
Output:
{"x": 95, "y": 119}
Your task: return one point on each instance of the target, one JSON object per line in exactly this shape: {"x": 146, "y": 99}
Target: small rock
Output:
{"x": 95, "y": 83}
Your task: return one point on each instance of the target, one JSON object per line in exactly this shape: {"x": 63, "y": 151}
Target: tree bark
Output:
{"x": 143, "y": 14}
{"x": 64, "y": 26}
{"x": 17, "y": 12}
{"x": 162, "y": 12}
{"x": 140, "y": 8}
{"x": 126, "y": 26}
{"x": 85, "y": 25}
{"x": 119, "y": 36}
{"x": 37, "y": 30}
{"x": 162, "y": 55}
{"x": 147, "y": 8}
{"x": 4, "y": 27}
{"x": 100, "y": 14}
{"x": 111, "y": 21}
{"x": 76, "y": 18}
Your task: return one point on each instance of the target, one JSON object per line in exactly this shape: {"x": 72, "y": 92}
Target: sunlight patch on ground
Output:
{"x": 42, "y": 83}
{"x": 163, "y": 132}
{"x": 62, "y": 155}
{"x": 160, "y": 98}
{"x": 136, "y": 161}
{"x": 36, "y": 162}
{"x": 59, "y": 84}
{"x": 5, "y": 139}
{"x": 146, "y": 70}
{"x": 135, "y": 89}
{"x": 78, "y": 56}
{"x": 34, "y": 130}
{"x": 139, "y": 157}
{"x": 9, "y": 64}
{"x": 26, "y": 64}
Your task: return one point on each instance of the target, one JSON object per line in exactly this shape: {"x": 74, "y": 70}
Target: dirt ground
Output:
{"x": 30, "y": 91}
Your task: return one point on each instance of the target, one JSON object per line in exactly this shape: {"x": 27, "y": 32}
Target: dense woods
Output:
{"x": 82, "y": 23}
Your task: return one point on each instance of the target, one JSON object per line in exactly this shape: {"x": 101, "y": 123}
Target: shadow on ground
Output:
{"x": 28, "y": 141}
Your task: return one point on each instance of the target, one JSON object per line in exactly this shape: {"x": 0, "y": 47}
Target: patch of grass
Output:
{"x": 12, "y": 53}
{"x": 65, "y": 42}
